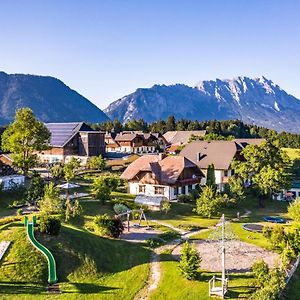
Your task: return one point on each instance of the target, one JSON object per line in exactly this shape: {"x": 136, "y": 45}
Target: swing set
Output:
{"x": 130, "y": 212}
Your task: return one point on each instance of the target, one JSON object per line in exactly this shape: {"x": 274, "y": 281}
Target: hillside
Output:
{"x": 49, "y": 98}
{"x": 88, "y": 266}
{"x": 256, "y": 101}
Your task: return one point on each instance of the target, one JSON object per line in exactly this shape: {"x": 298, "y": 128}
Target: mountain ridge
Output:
{"x": 252, "y": 100}
{"x": 50, "y": 99}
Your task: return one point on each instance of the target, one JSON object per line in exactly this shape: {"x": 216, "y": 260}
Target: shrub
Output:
{"x": 100, "y": 189}
{"x": 154, "y": 242}
{"x": 189, "y": 261}
{"x": 209, "y": 202}
{"x": 35, "y": 190}
{"x": 20, "y": 212}
{"x": 52, "y": 202}
{"x": 271, "y": 287}
{"x": 96, "y": 163}
{"x": 116, "y": 228}
{"x": 184, "y": 198}
{"x": 49, "y": 225}
{"x": 278, "y": 237}
{"x": 260, "y": 272}
{"x": 107, "y": 226}
{"x": 120, "y": 208}
{"x": 166, "y": 206}
{"x": 294, "y": 210}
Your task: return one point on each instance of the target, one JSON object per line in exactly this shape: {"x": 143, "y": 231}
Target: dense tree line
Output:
{"x": 228, "y": 128}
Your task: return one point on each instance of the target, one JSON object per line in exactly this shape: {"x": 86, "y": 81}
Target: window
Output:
{"x": 190, "y": 187}
{"x": 159, "y": 190}
{"x": 226, "y": 173}
{"x": 175, "y": 191}
{"x": 142, "y": 189}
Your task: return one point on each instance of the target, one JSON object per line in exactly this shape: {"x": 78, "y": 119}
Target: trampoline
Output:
{"x": 253, "y": 227}
{"x": 274, "y": 219}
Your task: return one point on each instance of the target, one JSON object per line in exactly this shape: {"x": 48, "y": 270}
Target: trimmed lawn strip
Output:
{"x": 173, "y": 286}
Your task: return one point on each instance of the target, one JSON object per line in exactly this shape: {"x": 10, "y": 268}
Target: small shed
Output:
{"x": 152, "y": 202}
{"x": 11, "y": 181}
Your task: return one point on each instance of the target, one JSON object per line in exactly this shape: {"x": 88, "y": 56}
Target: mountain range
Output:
{"x": 49, "y": 98}
{"x": 253, "y": 100}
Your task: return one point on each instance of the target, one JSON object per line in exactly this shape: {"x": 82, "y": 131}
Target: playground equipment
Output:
{"x": 128, "y": 212}
{"x": 52, "y": 278}
{"x": 253, "y": 227}
{"x": 222, "y": 233}
{"x": 274, "y": 219}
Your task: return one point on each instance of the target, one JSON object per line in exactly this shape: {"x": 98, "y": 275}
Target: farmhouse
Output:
{"x": 72, "y": 140}
{"x": 218, "y": 153}
{"x": 132, "y": 142}
{"x": 157, "y": 175}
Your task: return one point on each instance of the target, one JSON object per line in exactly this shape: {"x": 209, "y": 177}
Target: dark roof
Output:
{"x": 166, "y": 170}
{"x": 62, "y": 133}
{"x": 219, "y": 153}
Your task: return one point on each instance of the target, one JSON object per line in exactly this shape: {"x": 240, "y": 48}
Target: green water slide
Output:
{"x": 52, "y": 278}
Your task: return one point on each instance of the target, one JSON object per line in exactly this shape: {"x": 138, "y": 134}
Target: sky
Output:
{"x": 107, "y": 49}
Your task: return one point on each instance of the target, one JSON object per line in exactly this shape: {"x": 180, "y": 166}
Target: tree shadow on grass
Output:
{"x": 21, "y": 288}
{"x": 90, "y": 288}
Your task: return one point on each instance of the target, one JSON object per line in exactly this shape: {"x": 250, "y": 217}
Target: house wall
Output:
{"x": 220, "y": 177}
{"x": 169, "y": 191}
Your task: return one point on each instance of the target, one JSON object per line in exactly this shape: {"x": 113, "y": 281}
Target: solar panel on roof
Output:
{"x": 61, "y": 132}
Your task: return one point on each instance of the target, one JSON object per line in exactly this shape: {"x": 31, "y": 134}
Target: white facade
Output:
{"x": 169, "y": 192}
{"x": 129, "y": 149}
{"x": 53, "y": 159}
{"x": 221, "y": 177}
{"x": 9, "y": 182}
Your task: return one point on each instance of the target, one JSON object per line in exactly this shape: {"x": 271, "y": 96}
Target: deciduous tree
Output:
{"x": 24, "y": 137}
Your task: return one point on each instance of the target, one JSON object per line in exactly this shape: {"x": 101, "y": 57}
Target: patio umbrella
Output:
{"x": 68, "y": 185}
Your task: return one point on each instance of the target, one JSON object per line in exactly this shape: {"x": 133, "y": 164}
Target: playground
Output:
{"x": 240, "y": 256}
{"x": 139, "y": 233}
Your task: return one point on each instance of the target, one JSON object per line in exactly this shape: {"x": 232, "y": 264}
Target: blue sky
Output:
{"x": 106, "y": 49}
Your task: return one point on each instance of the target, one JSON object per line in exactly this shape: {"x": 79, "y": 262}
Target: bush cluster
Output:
{"x": 108, "y": 226}
{"x": 269, "y": 281}
{"x": 49, "y": 225}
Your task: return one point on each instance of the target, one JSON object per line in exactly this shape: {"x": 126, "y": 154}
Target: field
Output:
{"x": 94, "y": 267}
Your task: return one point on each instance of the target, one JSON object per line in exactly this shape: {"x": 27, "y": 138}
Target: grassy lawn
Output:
{"x": 94, "y": 267}
{"x": 273, "y": 208}
{"x": 173, "y": 286}
{"x": 293, "y": 288}
{"x": 181, "y": 214}
{"x": 5, "y": 200}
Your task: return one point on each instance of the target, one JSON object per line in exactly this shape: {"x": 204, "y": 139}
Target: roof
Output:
{"x": 166, "y": 170}
{"x": 125, "y": 136}
{"x": 62, "y": 133}
{"x": 245, "y": 142}
{"x": 182, "y": 137}
{"x": 204, "y": 153}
